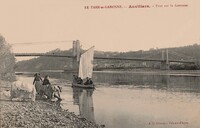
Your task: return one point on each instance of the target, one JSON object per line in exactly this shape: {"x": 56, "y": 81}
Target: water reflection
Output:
{"x": 83, "y": 98}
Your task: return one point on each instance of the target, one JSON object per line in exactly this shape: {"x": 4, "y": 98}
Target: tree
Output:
{"x": 7, "y": 61}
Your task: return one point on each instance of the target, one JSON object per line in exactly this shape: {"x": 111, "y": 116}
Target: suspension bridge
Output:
{"x": 165, "y": 57}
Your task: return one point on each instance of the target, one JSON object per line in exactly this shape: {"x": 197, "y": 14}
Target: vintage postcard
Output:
{"x": 100, "y": 63}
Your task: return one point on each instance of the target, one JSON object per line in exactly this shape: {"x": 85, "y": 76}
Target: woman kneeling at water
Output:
{"x": 50, "y": 90}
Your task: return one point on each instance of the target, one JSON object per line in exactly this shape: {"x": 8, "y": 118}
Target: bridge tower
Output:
{"x": 165, "y": 60}
{"x": 76, "y": 54}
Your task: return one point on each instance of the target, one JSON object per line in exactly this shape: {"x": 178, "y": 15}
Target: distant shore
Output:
{"x": 115, "y": 71}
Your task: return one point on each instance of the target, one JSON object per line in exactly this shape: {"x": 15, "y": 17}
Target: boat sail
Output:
{"x": 86, "y": 64}
{"x": 85, "y": 68}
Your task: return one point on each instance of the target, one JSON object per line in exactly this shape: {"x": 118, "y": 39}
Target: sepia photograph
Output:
{"x": 99, "y": 64}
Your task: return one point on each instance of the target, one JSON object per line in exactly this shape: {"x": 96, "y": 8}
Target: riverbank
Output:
{"x": 39, "y": 114}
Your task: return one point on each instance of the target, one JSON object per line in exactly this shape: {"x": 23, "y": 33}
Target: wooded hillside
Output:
{"x": 58, "y": 63}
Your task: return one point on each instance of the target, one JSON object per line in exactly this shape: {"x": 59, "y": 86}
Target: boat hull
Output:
{"x": 90, "y": 86}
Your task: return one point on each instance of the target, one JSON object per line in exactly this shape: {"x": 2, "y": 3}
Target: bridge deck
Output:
{"x": 96, "y": 57}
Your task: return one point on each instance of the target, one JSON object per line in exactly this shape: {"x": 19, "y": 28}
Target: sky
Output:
{"x": 117, "y": 29}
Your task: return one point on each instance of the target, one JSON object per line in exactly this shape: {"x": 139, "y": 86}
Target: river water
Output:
{"x": 134, "y": 100}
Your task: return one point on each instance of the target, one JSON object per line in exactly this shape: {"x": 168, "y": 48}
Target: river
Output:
{"x": 134, "y": 100}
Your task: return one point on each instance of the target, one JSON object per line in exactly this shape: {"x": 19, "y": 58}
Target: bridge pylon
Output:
{"x": 76, "y": 54}
{"x": 165, "y": 60}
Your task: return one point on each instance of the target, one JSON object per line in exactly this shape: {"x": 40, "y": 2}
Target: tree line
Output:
{"x": 7, "y": 61}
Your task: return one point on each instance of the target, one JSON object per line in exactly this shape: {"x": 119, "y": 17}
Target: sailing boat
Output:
{"x": 85, "y": 68}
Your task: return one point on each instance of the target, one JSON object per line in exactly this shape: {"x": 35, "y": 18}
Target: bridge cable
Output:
{"x": 43, "y": 42}
{"x": 180, "y": 55}
{"x": 150, "y": 56}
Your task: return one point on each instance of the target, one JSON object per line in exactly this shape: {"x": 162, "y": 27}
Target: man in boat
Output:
{"x": 79, "y": 80}
{"x": 37, "y": 82}
{"x": 88, "y": 81}
{"x": 75, "y": 78}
